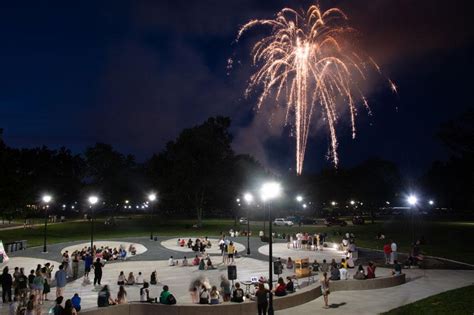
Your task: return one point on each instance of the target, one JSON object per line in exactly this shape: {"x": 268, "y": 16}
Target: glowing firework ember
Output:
{"x": 307, "y": 60}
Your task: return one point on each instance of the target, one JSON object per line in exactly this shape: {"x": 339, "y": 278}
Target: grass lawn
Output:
{"x": 445, "y": 239}
{"x": 459, "y": 301}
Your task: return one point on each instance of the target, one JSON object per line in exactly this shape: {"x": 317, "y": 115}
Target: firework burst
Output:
{"x": 307, "y": 63}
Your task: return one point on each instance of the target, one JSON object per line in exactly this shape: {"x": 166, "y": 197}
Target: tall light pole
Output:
{"x": 92, "y": 201}
{"x": 269, "y": 191}
{"x": 299, "y": 199}
{"x": 248, "y": 199}
{"x": 46, "y": 200}
{"x": 152, "y": 199}
{"x": 412, "y": 201}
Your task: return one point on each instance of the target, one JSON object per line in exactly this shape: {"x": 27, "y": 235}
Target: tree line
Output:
{"x": 199, "y": 174}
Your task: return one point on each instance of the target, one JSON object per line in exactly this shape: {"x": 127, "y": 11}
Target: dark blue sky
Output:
{"x": 135, "y": 73}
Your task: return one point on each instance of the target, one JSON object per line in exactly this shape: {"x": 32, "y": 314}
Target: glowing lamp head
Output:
{"x": 352, "y": 202}
{"x": 237, "y": 200}
{"x": 152, "y": 197}
{"x": 93, "y": 200}
{"x": 412, "y": 200}
{"x": 248, "y": 198}
{"x": 299, "y": 198}
{"x": 270, "y": 190}
{"x": 431, "y": 202}
{"x": 47, "y": 198}
{"x": 304, "y": 206}
{"x": 333, "y": 203}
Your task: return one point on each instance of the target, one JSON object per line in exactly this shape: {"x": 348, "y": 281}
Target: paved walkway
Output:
{"x": 421, "y": 284}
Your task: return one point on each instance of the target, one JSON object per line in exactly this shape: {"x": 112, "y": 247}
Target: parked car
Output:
{"x": 308, "y": 221}
{"x": 334, "y": 221}
{"x": 357, "y": 220}
{"x": 243, "y": 220}
{"x": 282, "y": 222}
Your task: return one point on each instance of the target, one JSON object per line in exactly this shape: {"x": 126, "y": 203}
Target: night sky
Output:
{"x": 133, "y": 74}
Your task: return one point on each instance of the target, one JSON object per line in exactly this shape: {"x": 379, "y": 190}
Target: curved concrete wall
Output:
{"x": 302, "y": 296}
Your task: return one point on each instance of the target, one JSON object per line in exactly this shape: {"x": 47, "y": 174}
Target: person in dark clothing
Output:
{"x": 97, "y": 271}
{"x": 262, "y": 299}
{"x": 238, "y": 295}
{"x": 31, "y": 277}
{"x": 7, "y": 282}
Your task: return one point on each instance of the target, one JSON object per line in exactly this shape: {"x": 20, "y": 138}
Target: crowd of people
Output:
{"x": 26, "y": 294}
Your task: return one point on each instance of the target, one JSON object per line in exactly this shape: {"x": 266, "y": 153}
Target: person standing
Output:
{"x": 393, "y": 254}
{"x": 387, "y": 251}
{"x": 231, "y": 252}
{"x": 75, "y": 266}
{"x": 262, "y": 299}
{"x": 61, "y": 280}
{"x": 325, "y": 289}
{"x": 97, "y": 271}
{"x": 7, "y": 282}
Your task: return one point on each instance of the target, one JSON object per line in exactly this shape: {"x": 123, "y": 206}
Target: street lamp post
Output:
{"x": 268, "y": 192}
{"x": 248, "y": 199}
{"x": 92, "y": 201}
{"x": 152, "y": 199}
{"x": 46, "y": 199}
{"x": 412, "y": 201}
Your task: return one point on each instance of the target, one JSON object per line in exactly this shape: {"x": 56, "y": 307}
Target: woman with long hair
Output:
{"x": 121, "y": 296}
{"x": 325, "y": 289}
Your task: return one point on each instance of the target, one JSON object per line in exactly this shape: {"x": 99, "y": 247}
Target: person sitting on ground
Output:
{"x": 360, "y": 273}
{"x": 397, "y": 268}
{"x": 202, "y": 265}
{"x": 370, "y": 271}
{"x": 238, "y": 294}
{"x": 184, "y": 263}
{"x": 343, "y": 263}
{"x": 335, "y": 273}
{"x": 166, "y": 297}
{"x": 290, "y": 286}
{"x": 76, "y": 302}
{"x": 121, "y": 296}
{"x": 190, "y": 243}
{"x": 131, "y": 279}
{"x": 145, "y": 293}
{"x": 153, "y": 279}
{"x": 121, "y": 278}
{"x": 182, "y": 243}
{"x": 196, "y": 261}
{"x": 343, "y": 273}
{"x": 209, "y": 264}
{"x": 280, "y": 290}
{"x": 139, "y": 278}
{"x": 315, "y": 266}
{"x": 58, "y": 309}
{"x": 214, "y": 295}
{"x": 324, "y": 266}
{"x": 203, "y": 295}
{"x": 289, "y": 263}
{"x": 104, "y": 299}
{"x": 350, "y": 262}
{"x": 132, "y": 249}
{"x": 171, "y": 261}
{"x": 69, "y": 308}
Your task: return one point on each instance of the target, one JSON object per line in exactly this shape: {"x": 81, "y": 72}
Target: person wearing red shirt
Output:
{"x": 387, "y": 250}
{"x": 370, "y": 271}
{"x": 280, "y": 290}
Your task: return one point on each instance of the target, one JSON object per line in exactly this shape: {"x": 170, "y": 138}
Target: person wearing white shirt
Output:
{"x": 171, "y": 261}
{"x": 393, "y": 254}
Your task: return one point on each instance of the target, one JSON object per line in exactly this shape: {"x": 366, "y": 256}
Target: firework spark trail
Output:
{"x": 306, "y": 58}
